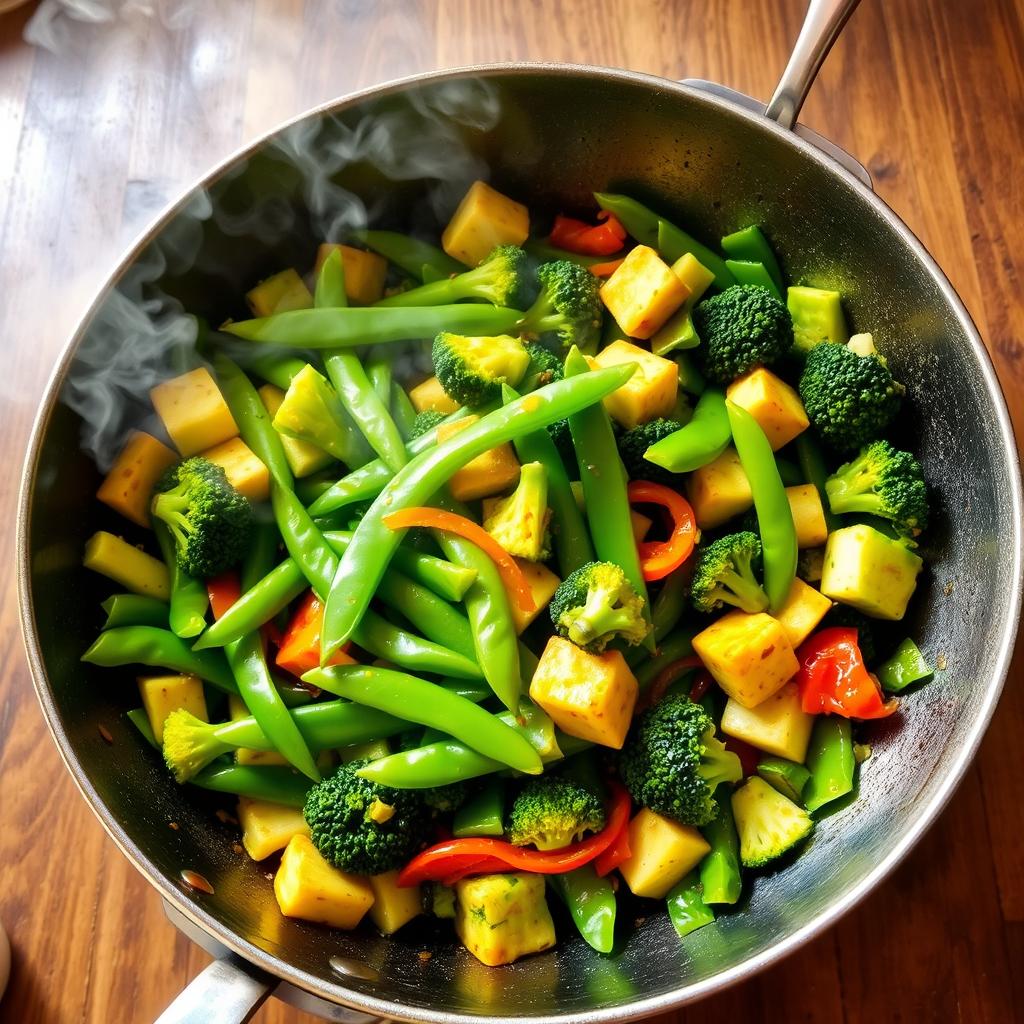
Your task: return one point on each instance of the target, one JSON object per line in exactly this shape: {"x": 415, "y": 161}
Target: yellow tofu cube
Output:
{"x": 365, "y": 272}
{"x": 719, "y": 491}
{"x": 500, "y": 918}
{"x": 772, "y": 402}
{"x": 122, "y": 562}
{"x": 495, "y": 471}
{"x": 651, "y": 391}
{"x": 694, "y": 275}
{"x": 485, "y": 218}
{"x": 193, "y": 411}
{"x": 163, "y": 694}
{"x": 393, "y": 905}
{"x": 307, "y": 887}
{"x": 303, "y": 458}
{"x": 808, "y": 515}
{"x": 245, "y": 472}
{"x": 279, "y": 294}
{"x": 267, "y": 827}
{"x": 591, "y": 696}
{"x": 662, "y": 851}
{"x": 803, "y": 609}
{"x": 643, "y": 292}
{"x": 431, "y": 397}
{"x": 543, "y": 583}
{"x": 749, "y": 656}
{"x": 129, "y": 485}
{"x": 778, "y": 725}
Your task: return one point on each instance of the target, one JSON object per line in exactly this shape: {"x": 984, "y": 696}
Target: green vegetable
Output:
{"x": 768, "y": 824}
{"x": 634, "y": 444}
{"x": 749, "y": 244}
{"x": 830, "y": 761}
{"x": 906, "y": 666}
{"x": 815, "y": 471}
{"x": 186, "y": 613}
{"x": 472, "y": 370}
{"x": 402, "y": 410}
{"x": 672, "y": 648}
{"x": 483, "y": 814}
{"x": 669, "y": 605}
{"x": 568, "y": 308}
{"x": 425, "y": 421}
{"x": 409, "y": 254}
{"x": 788, "y": 777}
{"x": 691, "y": 380}
{"x": 753, "y": 274}
{"x": 720, "y": 869}
{"x": 439, "y": 900}
{"x": 817, "y": 316}
{"x": 724, "y": 574}
{"x": 275, "y": 368}
{"x": 519, "y": 523}
{"x": 553, "y": 812}
{"x": 274, "y": 783}
{"x": 701, "y": 441}
{"x": 686, "y": 907}
{"x": 134, "y": 610}
{"x": 678, "y": 333}
{"x": 431, "y": 615}
{"x": 591, "y": 903}
{"x": 544, "y": 367}
{"x": 546, "y": 253}
{"x": 597, "y": 604}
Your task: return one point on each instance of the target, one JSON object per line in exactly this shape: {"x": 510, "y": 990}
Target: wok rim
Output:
{"x": 336, "y": 993}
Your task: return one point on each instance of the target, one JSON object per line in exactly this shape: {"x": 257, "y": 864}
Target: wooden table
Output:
{"x": 93, "y": 142}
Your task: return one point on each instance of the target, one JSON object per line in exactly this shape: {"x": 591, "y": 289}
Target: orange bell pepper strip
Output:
{"x": 606, "y": 269}
{"x": 224, "y": 590}
{"x": 299, "y": 651}
{"x": 659, "y": 558}
{"x": 578, "y": 236}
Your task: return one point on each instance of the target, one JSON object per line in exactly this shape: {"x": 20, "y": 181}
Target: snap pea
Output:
{"x": 691, "y": 380}
{"x": 373, "y": 543}
{"x": 134, "y": 610}
{"x": 387, "y": 641}
{"x": 669, "y": 605}
{"x": 409, "y": 254}
{"x": 273, "y": 783}
{"x": 189, "y": 599}
{"x": 830, "y": 761}
{"x": 815, "y": 471}
{"x": 672, "y": 648}
{"x": 482, "y": 814}
{"x": 788, "y": 777}
{"x": 701, "y": 441}
{"x": 750, "y": 245}
{"x": 906, "y": 666}
{"x": 604, "y": 487}
{"x": 720, "y": 869}
{"x": 590, "y": 900}
{"x": 686, "y": 907}
{"x": 774, "y": 516}
{"x": 755, "y": 273}
{"x": 274, "y": 367}
{"x": 309, "y": 488}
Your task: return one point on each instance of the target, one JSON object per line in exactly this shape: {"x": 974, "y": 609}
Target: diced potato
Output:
{"x": 641, "y": 524}
{"x": 591, "y": 696}
{"x": 808, "y": 515}
{"x": 365, "y": 272}
{"x": 129, "y": 485}
{"x": 267, "y": 827}
{"x": 307, "y": 887}
{"x": 778, "y": 725}
{"x": 193, "y": 411}
{"x": 869, "y": 571}
{"x": 661, "y": 852}
{"x": 431, "y": 397}
{"x": 500, "y": 918}
{"x": 393, "y": 905}
{"x": 120, "y": 561}
{"x": 491, "y": 473}
{"x": 303, "y": 457}
{"x": 485, "y": 218}
{"x": 543, "y": 583}
{"x": 772, "y": 402}
{"x": 279, "y": 294}
{"x": 649, "y": 393}
{"x": 694, "y": 275}
{"x": 163, "y": 694}
{"x": 245, "y": 472}
{"x": 719, "y": 490}
{"x": 803, "y": 609}
{"x": 643, "y": 292}
{"x": 749, "y": 656}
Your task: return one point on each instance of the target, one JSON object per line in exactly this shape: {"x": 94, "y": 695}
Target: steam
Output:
{"x": 55, "y": 22}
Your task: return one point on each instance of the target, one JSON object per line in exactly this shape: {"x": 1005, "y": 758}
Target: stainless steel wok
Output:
{"x": 401, "y": 154}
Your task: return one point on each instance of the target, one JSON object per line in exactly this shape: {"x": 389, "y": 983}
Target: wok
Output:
{"x": 401, "y": 155}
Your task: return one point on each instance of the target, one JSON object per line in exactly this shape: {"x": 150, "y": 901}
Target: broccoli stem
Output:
{"x": 742, "y": 592}
{"x": 600, "y": 617}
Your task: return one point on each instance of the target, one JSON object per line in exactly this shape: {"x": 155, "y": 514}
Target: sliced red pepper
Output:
{"x": 834, "y": 680}
{"x": 669, "y": 674}
{"x": 702, "y": 682}
{"x": 224, "y": 590}
{"x": 459, "y": 858}
{"x": 299, "y": 651}
{"x": 616, "y": 854}
{"x": 659, "y": 558}
{"x": 578, "y": 236}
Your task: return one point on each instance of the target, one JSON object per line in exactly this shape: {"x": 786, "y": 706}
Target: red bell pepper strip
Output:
{"x": 616, "y": 854}
{"x": 588, "y": 239}
{"x": 661, "y": 557}
{"x": 224, "y": 590}
{"x": 299, "y": 651}
{"x": 834, "y": 680}
{"x": 669, "y": 674}
{"x": 702, "y": 682}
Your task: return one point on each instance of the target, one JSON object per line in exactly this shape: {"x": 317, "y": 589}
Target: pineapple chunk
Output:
{"x": 778, "y": 725}
{"x": 543, "y": 583}
{"x": 495, "y": 471}
{"x": 279, "y": 294}
{"x": 719, "y": 490}
{"x": 393, "y": 905}
{"x": 749, "y": 656}
{"x": 643, "y": 292}
{"x": 772, "y": 402}
{"x": 245, "y": 472}
{"x": 163, "y": 694}
{"x": 365, "y": 272}
{"x": 129, "y": 485}
{"x": 801, "y": 612}
{"x": 133, "y": 569}
{"x": 651, "y": 391}
{"x": 661, "y": 852}
{"x": 307, "y": 887}
{"x": 267, "y": 827}
{"x": 485, "y": 218}
{"x": 500, "y": 918}
{"x": 694, "y": 275}
{"x": 193, "y": 411}
{"x": 808, "y": 515}
{"x": 591, "y": 696}
{"x": 303, "y": 458}
{"x": 430, "y": 396}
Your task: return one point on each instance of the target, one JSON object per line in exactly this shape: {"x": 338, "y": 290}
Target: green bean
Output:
{"x": 686, "y": 907}
{"x": 669, "y": 605}
{"x": 751, "y": 273}
{"x": 830, "y": 761}
{"x": 309, "y": 488}
{"x": 134, "y": 610}
{"x": 402, "y": 410}
{"x": 378, "y": 371}
{"x": 815, "y": 471}
{"x": 433, "y": 617}
{"x": 189, "y": 599}
{"x": 273, "y": 367}
{"x": 720, "y": 869}
{"x": 591, "y": 903}
{"x": 701, "y": 441}
{"x": 906, "y": 666}
{"x": 749, "y": 244}
{"x": 674, "y": 647}
{"x": 273, "y": 783}
{"x": 409, "y": 254}
{"x": 482, "y": 814}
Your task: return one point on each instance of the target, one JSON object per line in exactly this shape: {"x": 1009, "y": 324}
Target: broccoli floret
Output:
{"x": 362, "y": 827}
{"x": 724, "y": 574}
{"x": 210, "y": 521}
{"x": 595, "y": 604}
{"x": 446, "y": 799}
{"x": 425, "y": 422}
{"x": 882, "y": 481}
{"x": 545, "y": 367}
{"x": 552, "y": 812}
{"x": 190, "y": 744}
{"x": 635, "y": 442}
{"x": 560, "y": 433}
{"x": 867, "y": 641}
{"x": 568, "y": 307}
{"x": 742, "y": 327}
{"x": 672, "y": 761}
{"x": 850, "y": 398}
{"x": 519, "y": 523}
{"x": 472, "y": 370}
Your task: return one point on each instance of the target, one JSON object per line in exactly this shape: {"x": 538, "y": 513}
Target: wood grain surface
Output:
{"x": 93, "y": 142}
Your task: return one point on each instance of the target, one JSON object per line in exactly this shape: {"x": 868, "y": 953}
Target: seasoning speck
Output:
{"x": 424, "y": 955}
{"x": 940, "y": 662}
{"x": 237, "y": 848}
{"x": 105, "y": 735}
{"x": 225, "y": 818}
{"x": 173, "y": 826}
{"x": 196, "y": 881}
{"x": 948, "y": 588}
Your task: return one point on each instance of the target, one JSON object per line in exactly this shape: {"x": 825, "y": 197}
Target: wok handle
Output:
{"x": 229, "y": 991}
{"x": 823, "y": 22}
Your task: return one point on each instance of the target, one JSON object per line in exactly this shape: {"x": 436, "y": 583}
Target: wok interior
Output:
{"x": 549, "y": 138}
